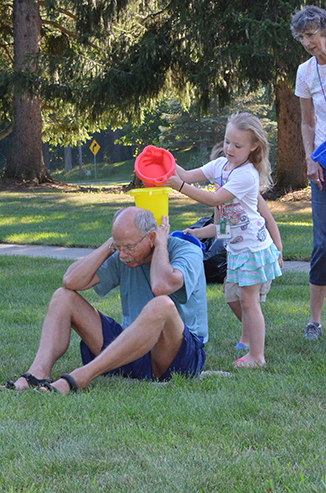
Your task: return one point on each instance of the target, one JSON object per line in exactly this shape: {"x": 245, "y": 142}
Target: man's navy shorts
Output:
{"x": 189, "y": 360}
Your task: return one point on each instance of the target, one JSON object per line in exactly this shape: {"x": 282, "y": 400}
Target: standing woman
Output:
{"x": 309, "y": 27}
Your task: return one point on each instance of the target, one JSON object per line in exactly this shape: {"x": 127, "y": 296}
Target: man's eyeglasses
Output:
{"x": 309, "y": 36}
{"x": 127, "y": 249}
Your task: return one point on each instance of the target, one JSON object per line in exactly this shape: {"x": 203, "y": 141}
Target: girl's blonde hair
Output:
{"x": 258, "y": 157}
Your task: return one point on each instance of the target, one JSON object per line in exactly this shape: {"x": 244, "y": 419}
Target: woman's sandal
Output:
{"x": 74, "y": 387}
{"x": 31, "y": 380}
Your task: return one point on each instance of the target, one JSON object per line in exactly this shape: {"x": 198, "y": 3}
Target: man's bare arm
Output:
{"x": 164, "y": 279}
{"x": 81, "y": 275}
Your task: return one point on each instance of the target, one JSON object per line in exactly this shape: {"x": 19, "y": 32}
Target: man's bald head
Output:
{"x": 130, "y": 217}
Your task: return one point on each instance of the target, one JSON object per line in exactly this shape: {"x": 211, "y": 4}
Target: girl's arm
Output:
{"x": 204, "y": 232}
{"x": 271, "y": 225}
{"x": 217, "y": 215}
{"x": 191, "y": 175}
{"x": 221, "y": 196}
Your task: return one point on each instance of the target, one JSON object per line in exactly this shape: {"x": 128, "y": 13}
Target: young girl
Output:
{"x": 252, "y": 255}
{"x": 231, "y": 289}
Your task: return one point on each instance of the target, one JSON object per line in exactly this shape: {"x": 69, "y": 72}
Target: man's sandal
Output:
{"x": 74, "y": 387}
{"x": 31, "y": 380}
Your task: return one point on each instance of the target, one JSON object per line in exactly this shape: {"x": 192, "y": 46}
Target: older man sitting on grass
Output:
{"x": 164, "y": 308}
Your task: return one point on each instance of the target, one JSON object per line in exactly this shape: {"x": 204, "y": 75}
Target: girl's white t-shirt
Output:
{"x": 308, "y": 86}
{"x": 248, "y": 229}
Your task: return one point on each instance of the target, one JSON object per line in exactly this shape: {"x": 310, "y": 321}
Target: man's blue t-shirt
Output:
{"x": 135, "y": 289}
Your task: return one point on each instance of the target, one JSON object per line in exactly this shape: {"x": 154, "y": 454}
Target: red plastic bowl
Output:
{"x": 154, "y": 166}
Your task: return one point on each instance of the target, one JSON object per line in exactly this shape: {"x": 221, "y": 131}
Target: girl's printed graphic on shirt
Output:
{"x": 236, "y": 215}
{"x": 237, "y": 239}
{"x": 262, "y": 233}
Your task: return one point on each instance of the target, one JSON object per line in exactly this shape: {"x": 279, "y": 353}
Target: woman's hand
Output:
{"x": 315, "y": 172}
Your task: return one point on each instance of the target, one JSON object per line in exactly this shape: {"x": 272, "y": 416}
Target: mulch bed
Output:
{"x": 287, "y": 196}
{"x": 18, "y": 186}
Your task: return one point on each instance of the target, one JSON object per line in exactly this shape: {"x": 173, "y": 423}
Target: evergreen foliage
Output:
{"x": 107, "y": 62}
{"x": 122, "y": 62}
{"x": 6, "y": 60}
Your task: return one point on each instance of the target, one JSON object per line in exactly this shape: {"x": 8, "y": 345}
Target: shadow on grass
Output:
{"x": 85, "y": 220}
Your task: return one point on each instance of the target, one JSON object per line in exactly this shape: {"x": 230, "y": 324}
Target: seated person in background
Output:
{"x": 164, "y": 309}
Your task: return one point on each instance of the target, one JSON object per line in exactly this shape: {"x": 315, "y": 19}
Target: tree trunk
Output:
{"x": 67, "y": 158}
{"x": 135, "y": 183}
{"x": 26, "y": 158}
{"x": 80, "y": 154}
{"x": 46, "y": 154}
{"x": 291, "y": 173}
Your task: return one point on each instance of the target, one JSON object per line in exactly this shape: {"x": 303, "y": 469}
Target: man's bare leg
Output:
{"x": 158, "y": 329}
{"x": 67, "y": 310}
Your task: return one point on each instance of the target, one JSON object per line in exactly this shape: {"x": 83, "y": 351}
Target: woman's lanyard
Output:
{"x": 321, "y": 85}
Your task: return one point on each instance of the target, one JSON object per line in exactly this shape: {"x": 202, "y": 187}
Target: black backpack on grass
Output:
{"x": 215, "y": 261}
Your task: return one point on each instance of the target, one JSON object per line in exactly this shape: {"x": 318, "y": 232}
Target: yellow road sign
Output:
{"x": 95, "y": 147}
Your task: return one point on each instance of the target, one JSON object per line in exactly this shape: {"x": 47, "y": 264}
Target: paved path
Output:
{"x": 77, "y": 253}
{"x": 44, "y": 251}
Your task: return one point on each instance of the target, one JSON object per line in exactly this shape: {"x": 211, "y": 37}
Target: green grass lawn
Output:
{"x": 84, "y": 219}
{"x": 118, "y": 172}
{"x": 253, "y": 432}
{"x": 122, "y": 172}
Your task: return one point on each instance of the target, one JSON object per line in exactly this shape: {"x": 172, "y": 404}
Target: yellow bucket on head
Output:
{"x": 154, "y": 199}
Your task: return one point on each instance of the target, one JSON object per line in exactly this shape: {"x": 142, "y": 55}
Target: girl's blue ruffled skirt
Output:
{"x": 248, "y": 268}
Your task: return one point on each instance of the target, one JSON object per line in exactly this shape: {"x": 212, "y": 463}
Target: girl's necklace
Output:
{"x": 222, "y": 232}
{"x": 224, "y": 166}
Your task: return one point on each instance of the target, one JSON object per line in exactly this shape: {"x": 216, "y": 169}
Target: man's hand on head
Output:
{"x": 162, "y": 232}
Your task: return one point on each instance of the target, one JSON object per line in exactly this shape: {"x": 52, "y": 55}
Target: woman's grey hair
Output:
{"x": 309, "y": 18}
{"x": 145, "y": 221}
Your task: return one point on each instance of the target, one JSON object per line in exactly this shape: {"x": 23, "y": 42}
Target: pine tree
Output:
{"x": 106, "y": 62}
{"x": 60, "y": 31}
{"x": 26, "y": 158}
